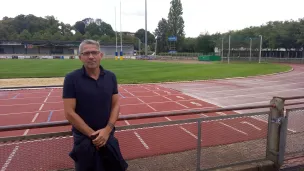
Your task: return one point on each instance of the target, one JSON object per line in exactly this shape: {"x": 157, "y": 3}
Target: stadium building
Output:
{"x": 64, "y": 48}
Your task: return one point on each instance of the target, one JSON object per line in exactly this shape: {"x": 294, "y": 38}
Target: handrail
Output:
{"x": 130, "y": 117}
{"x": 141, "y": 116}
{"x": 291, "y": 98}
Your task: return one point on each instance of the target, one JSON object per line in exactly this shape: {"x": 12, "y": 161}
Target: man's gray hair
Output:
{"x": 88, "y": 41}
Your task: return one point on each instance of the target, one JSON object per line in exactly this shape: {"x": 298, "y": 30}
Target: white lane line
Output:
{"x": 146, "y": 104}
{"x": 127, "y": 122}
{"x": 194, "y": 103}
{"x": 184, "y": 129}
{"x": 244, "y": 122}
{"x": 180, "y": 97}
{"x": 128, "y": 92}
{"x": 168, "y": 118}
{"x": 26, "y": 131}
{"x": 190, "y": 133}
{"x": 48, "y": 96}
{"x": 141, "y": 140}
{"x": 167, "y": 92}
{"x": 145, "y": 88}
{"x": 41, "y": 107}
{"x": 204, "y": 115}
{"x": 182, "y": 105}
{"x": 35, "y": 117}
{"x": 167, "y": 98}
{"x": 221, "y": 113}
{"x": 9, "y": 159}
{"x": 233, "y": 128}
{"x": 37, "y": 114}
{"x": 156, "y": 93}
{"x": 138, "y": 136}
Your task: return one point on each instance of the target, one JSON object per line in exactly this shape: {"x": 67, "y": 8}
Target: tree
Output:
{"x": 141, "y": 35}
{"x": 205, "y": 44}
{"x": 161, "y": 32}
{"x": 176, "y": 22}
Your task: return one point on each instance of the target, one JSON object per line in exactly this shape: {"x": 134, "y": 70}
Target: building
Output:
{"x": 38, "y": 48}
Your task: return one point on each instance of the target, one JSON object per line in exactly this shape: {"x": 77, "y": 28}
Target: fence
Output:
{"x": 266, "y": 59}
{"x": 195, "y": 143}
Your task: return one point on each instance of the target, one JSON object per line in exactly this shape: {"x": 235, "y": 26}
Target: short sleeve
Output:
{"x": 115, "y": 86}
{"x": 68, "y": 90}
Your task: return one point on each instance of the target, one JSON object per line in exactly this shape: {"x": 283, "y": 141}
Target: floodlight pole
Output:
{"x": 222, "y": 49}
{"x": 155, "y": 45}
{"x": 146, "y": 36}
{"x": 139, "y": 42}
{"x": 229, "y": 50}
{"x": 261, "y": 40}
{"x": 250, "y": 49}
{"x": 120, "y": 31}
{"x": 116, "y": 53}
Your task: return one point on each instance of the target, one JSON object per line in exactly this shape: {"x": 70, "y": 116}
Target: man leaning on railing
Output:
{"x": 90, "y": 97}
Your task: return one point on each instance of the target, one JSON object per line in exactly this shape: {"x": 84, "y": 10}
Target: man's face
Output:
{"x": 90, "y": 56}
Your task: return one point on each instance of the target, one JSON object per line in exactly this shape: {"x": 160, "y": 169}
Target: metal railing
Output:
{"x": 204, "y": 142}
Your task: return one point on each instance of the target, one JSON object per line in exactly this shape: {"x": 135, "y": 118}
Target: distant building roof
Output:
{"x": 53, "y": 43}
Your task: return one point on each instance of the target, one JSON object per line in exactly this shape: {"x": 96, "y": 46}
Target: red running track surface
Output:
{"x": 45, "y": 105}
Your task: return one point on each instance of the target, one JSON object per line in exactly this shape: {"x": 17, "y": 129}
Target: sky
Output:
{"x": 200, "y": 16}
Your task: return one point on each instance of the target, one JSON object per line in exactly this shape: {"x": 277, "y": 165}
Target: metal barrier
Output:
{"x": 295, "y": 135}
{"x": 199, "y": 143}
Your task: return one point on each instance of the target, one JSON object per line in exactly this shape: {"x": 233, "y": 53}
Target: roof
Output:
{"x": 54, "y": 43}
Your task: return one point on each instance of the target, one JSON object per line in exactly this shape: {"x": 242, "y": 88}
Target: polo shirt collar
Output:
{"x": 84, "y": 72}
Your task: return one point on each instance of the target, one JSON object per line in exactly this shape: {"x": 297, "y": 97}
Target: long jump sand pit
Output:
{"x": 20, "y": 82}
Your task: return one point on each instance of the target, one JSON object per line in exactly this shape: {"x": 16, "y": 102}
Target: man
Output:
{"x": 90, "y": 97}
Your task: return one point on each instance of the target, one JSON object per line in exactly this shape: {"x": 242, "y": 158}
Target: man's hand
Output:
{"x": 102, "y": 137}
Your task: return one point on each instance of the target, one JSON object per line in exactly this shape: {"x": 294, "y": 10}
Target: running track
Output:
{"x": 45, "y": 105}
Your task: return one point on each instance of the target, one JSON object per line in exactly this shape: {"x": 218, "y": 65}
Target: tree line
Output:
{"x": 276, "y": 34}
{"x": 285, "y": 35}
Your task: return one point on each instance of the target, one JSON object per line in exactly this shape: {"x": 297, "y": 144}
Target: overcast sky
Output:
{"x": 199, "y": 15}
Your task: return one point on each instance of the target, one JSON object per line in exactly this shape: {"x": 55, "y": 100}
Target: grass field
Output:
{"x": 138, "y": 71}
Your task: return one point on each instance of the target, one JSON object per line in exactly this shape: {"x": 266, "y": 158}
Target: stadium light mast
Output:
{"x": 229, "y": 49}
{"x": 146, "y": 36}
{"x": 250, "y": 49}
{"x": 261, "y": 42}
{"x": 116, "y": 52}
{"x": 121, "y": 53}
{"x": 155, "y": 45}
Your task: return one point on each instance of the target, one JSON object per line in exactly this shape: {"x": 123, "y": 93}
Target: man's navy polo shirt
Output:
{"x": 93, "y": 97}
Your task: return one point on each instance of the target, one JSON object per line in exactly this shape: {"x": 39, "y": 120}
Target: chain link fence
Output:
{"x": 233, "y": 141}
{"x": 295, "y": 133}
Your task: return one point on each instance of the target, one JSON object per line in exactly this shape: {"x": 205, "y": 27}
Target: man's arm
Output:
{"x": 75, "y": 119}
{"x": 114, "y": 113}
{"x": 115, "y": 105}
{"x": 69, "y": 101}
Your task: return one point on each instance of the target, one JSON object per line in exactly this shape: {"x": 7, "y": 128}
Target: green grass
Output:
{"x": 138, "y": 71}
